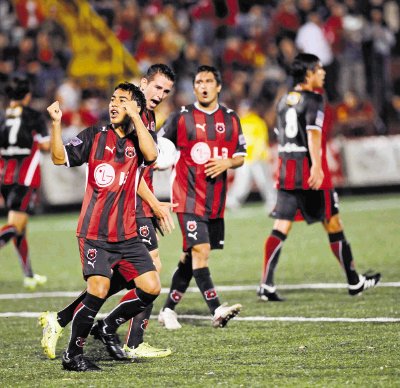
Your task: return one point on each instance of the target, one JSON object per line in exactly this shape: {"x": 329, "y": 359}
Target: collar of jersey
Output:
{"x": 197, "y": 105}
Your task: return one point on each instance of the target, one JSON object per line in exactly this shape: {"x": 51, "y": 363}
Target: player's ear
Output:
{"x": 143, "y": 83}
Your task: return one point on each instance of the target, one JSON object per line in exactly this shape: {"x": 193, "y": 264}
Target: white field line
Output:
{"x": 26, "y": 314}
{"x": 312, "y": 286}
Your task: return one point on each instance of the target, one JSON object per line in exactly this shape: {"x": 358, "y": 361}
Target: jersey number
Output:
{"x": 291, "y": 128}
{"x": 14, "y": 125}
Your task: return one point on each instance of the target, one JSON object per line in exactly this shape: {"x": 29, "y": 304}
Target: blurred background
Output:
{"x": 76, "y": 51}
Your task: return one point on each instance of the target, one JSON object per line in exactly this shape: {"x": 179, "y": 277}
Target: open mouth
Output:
{"x": 204, "y": 94}
{"x": 114, "y": 113}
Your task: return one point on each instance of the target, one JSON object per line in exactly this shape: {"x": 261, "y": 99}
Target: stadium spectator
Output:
{"x": 23, "y": 134}
{"x": 107, "y": 237}
{"x": 257, "y": 168}
{"x": 156, "y": 86}
{"x": 304, "y": 188}
{"x": 210, "y": 141}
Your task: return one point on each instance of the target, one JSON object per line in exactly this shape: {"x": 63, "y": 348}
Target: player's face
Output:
{"x": 318, "y": 77}
{"x": 206, "y": 89}
{"x": 116, "y": 107}
{"x": 156, "y": 90}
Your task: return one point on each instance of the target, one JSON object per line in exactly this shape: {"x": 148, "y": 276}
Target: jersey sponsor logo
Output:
{"x": 91, "y": 256}
{"x": 130, "y": 152}
{"x": 220, "y": 127}
{"x": 200, "y": 153}
{"x": 144, "y": 231}
{"x": 210, "y": 294}
{"x": 202, "y": 126}
{"x": 191, "y": 226}
{"x": 75, "y": 141}
{"x": 293, "y": 98}
{"x": 320, "y": 118}
{"x": 291, "y": 147}
{"x": 110, "y": 149}
{"x": 104, "y": 175}
{"x": 175, "y": 295}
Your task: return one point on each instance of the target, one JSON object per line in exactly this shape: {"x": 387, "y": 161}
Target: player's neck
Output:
{"x": 304, "y": 87}
{"x": 207, "y": 109}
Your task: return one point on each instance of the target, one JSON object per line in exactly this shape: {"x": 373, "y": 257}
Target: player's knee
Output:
{"x": 98, "y": 286}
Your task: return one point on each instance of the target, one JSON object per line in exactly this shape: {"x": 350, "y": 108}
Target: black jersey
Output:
{"x": 298, "y": 112}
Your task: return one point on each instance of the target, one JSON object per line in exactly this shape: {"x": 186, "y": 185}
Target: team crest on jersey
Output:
{"x": 210, "y": 294}
{"x": 293, "y": 98}
{"x": 130, "y": 152}
{"x": 104, "y": 175}
{"x": 220, "y": 127}
{"x": 200, "y": 153}
{"x": 191, "y": 226}
{"x": 144, "y": 231}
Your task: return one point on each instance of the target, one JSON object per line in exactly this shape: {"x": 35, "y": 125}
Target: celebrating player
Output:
{"x": 107, "y": 231}
{"x": 209, "y": 139}
{"x": 156, "y": 86}
{"x": 23, "y": 134}
{"x": 305, "y": 191}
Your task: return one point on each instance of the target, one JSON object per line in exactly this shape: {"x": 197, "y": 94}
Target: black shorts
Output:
{"x": 200, "y": 230}
{"x": 147, "y": 233}
{"x": 19, "y": 198}
{"x": 131, "y": 257}
{"x": 309, "y": 205}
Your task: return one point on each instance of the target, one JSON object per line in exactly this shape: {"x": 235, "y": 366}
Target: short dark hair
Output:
{"x": 17, "y": 88}
{"x": 159, "y": 68}
{"x": 136, "y": 93}
{"x": 209, "y": 69}
{"x": 301, "y": 64}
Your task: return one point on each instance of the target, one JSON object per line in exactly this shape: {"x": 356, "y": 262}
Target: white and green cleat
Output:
{"x": 30, "y": 283}
{"x": 52, "y": 331}
{"x": 144, "y": 350}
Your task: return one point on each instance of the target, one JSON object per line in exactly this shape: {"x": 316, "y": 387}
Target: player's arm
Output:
{"x": 56, "y": 143}
{"x": 146, "y": 142}
{"x": 314, "y": 146}
{"x": 162, "y": 210}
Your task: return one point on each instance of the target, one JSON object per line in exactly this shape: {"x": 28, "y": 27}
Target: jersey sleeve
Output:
{"x": 315, "y": 113}
{"x": 77, "y": 150}
{"x": 170, "y": 128}
{"x": 241, "y": 146}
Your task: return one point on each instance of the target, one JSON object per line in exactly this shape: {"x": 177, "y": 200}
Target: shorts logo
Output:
{"x": 191, "y": 226}
{"x": 200, "y": 153}
{"x": 220, "y": 127}
{"x": 91, "y": 255}
{"x": 144, "y": 231}
{"x": 104, "y": 175}
{"x": 130, "y": 152}
{"x": 80, "y": 342}
{"x": 144, "y": 324}
{"x": 210, "y": 294}
{"x": 176, "y": 296}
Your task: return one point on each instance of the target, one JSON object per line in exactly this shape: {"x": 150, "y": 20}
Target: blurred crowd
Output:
{"x": 252, "y": 42}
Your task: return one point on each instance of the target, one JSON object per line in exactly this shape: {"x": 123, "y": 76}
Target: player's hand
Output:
{"x": 131, "y": 107}
{"x": 55, "y": 111}
{"x": 162, "y": 211}
{"x": 215, "y": 167}
{"x": 316, "y": 177}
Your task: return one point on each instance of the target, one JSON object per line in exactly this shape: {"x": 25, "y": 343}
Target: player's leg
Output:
{"x": 342, "y": 250}
{"x": 8, "y": 231}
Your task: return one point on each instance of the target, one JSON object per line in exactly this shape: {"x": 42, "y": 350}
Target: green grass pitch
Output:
{"x": 248, "y": 353}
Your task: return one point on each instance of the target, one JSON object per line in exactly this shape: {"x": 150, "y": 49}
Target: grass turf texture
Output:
{"x": 245, "y": 353}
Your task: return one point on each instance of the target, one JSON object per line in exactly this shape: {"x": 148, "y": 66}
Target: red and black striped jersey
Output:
{"x": 143, "y": 210}
{"x": 199, "y": 136}
{"x": 21, "y": 131}
{"x": 297, "y": 113}
{"x": 114, "y": 168}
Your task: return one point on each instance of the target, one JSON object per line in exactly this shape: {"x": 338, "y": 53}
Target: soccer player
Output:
{"x": 209, "y": 140}
{"x": 107, "y": 233}
{"x": 23, "y": 134}
{"x": 156, "y": 85}
{"x": 304, "y": 187}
